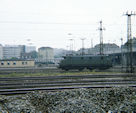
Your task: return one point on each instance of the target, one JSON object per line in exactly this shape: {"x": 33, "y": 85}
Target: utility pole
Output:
{"x": 121, "y": 54}
{"x": 71, "y": 46}
{"x": 91, "y": 43}
{"x": 71, "y": 43}
{"x": 82, "y": 45}
{"x": 101, "y": 38}
{"x": 129, "y": 67}
{"x": 67, "y": 50}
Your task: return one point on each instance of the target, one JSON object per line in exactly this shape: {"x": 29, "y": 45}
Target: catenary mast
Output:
{"x": 101, "y": 38}
{"x": 129, "y": 67}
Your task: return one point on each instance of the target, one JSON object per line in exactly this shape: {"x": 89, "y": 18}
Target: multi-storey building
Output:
{"x": 1, "y": 51}
{"x": 13, "y": 51}
{"x": 46, "y": 54}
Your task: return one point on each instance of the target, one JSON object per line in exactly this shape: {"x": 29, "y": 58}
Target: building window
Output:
{"x": 14, "y": 63}
{"x": 2, "y": 63}
{"x": 8, "y": 63}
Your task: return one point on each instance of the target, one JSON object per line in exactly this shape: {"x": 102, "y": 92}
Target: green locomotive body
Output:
{"x": 86, "y": 61}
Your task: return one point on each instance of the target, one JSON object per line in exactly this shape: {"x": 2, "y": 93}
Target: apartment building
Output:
{"x": 13, "y": 51}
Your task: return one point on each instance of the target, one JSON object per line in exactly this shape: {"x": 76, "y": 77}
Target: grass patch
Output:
{"x": 52, "y": 74}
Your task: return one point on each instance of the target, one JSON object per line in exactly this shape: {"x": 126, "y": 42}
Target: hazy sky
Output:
{"x": 48, "y": 22}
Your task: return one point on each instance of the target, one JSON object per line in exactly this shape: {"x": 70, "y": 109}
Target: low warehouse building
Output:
{"x": 17, "y": 63}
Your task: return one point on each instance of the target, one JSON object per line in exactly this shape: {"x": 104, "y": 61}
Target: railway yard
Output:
{"x": 22, "y": 85}
{"x": 82, "y": 91}
{"x": 60, "y": 76}
{"x": 12, "y": 81}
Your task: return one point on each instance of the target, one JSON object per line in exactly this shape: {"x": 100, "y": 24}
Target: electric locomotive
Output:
{"x": 81, "y": 62}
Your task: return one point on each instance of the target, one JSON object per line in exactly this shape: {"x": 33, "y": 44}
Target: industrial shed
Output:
{"x": 16, "y": 63}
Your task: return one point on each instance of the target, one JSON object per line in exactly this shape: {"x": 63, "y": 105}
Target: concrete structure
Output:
{"x": 13, "y": 51}
{"x": 46, "y": 54}
{"x": 17, "y": 63}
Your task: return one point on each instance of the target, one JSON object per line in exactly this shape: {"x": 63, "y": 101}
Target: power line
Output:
{"x": 33, "y": 22}
{"x": 57, "y": 23}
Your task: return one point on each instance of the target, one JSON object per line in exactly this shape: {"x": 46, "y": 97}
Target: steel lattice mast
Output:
{"x": 129, "y": 67}
{"x": 101, "y": 38}
{"x": 83, "y": 45}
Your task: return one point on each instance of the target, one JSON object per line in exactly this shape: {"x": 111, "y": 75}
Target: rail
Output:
{"x": 22, "y": 85}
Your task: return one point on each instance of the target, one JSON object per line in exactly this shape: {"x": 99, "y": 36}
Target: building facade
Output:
{"x": 17, "y": 63}
{"x": 107, "y": 49}
{"x": 46, "y": 54}
{"x": 29, "y": 49}
{"x": 13, "y": 51}
{"x": 1, "y": 52}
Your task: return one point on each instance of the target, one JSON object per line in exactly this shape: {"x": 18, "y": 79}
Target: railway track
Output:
{"x": 49, "y": 70}
{"x": 29, "y": 70}
{"x": 23, "y": 85}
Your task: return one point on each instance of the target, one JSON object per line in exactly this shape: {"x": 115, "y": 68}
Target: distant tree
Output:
{"x": 34, "y": 54}
{"x": 14, "y": 58}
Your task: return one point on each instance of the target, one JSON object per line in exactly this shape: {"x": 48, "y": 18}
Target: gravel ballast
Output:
{"x": 119, "y": 99}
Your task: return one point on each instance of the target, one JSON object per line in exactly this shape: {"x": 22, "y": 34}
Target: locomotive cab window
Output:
{"x": 90, "y": 57}
{"x": 82, "y": 57}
